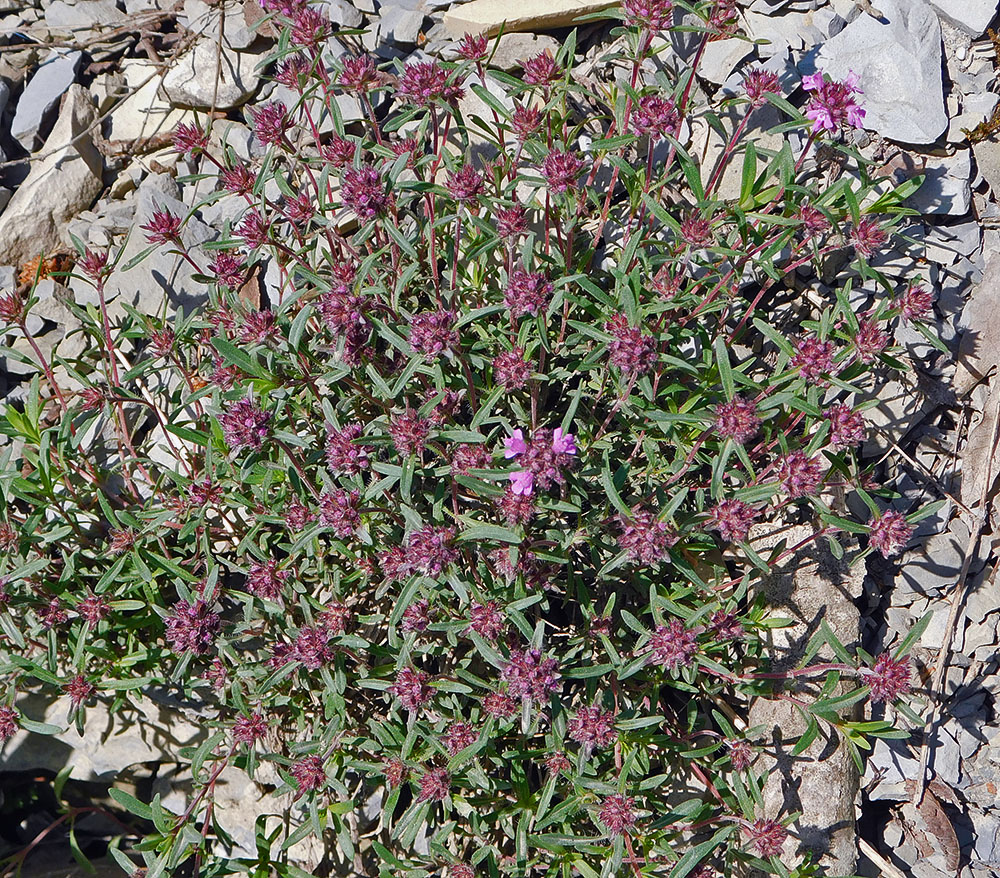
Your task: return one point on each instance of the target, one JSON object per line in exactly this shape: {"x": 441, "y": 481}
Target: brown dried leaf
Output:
{"x": 932, "y": 829}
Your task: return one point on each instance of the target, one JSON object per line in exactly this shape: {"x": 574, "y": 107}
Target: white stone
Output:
{"x": 143, "y": 113}
{"x": 721, "y": 57}
{"x": 488, "y": 16}
{"x": 972, "y": 16}
{"x": 898, "y": 61}
{"x": 57, "y": 188}
{"x": 150, "y": 733}
{"x": 43, "y": 91}
{"x": 946, "y": 188}
{"x": 83, "y": 15}
{"x": 401, "y": 25}
{"x": 513, "y": 50}
{"x": 191, "y": 82}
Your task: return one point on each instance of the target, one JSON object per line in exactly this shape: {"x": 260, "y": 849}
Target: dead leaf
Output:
{"x": 931, "y": 827}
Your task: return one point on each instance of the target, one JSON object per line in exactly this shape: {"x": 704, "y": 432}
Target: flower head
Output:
{"x": 672, "y": 646}
{"x": 459, "y": 736}
{"x": 309, "y": 773}
{"x": 631, "y": 350}
{"x": 890, "y": 533}
{"x": 511, "y": 370}
{"x": 79, "y": 689}
{"x": 653, "y": 15}
{"x": 433, "y": 333}
{"x": 655, "y": 116}
{"x": 832, "y": 104}
{"x": 192, "y": 627}
{"x": 245, "y": 424}
{"x": 847, "y": 425}
{"x": 425, "y": 82}
{"x": 644, "y": 537}
{"x": 618, "y": 814}
{"x": 434, "y": 785}
{"x": 10, "y": 722}
{"x": 593, "y": 726}
{"x": 732, "y": 519}
{"x": 189, "y": 139}
{"x": 799, "y": 475}
{"x": 813, "y": 358}
{"x": 758, "y": 84}
{"x": 766, "y": 837}
{"x": 561, "y": 170}
{"x": 867, "y": 236}
{"x": 889, "y": 678}
{"x": 531, "y": 676}
{"x": 163, "y": 228}
{"x": 737, "y": 419}
{"x": 270, "y": 122}
{"x": 411, "y": 688}
{"x": 487, "y": 620}
{"x": 250, "y": 729}
{"x": 526, "y": 293}
{"x": 915, "y": 302}
{"x": 364, "y": 192}
{"x": 541, "y": 69}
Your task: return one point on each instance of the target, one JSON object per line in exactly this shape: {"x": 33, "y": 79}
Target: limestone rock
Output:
{"x": 192, "y": 81}
{"x": 57, "y": 188}
{"x": 822, "y": 782}
{"x": 143, "y": 113}
{"x": 514, "y": 49}
{"x": 40, "y": 96}
{"x": 972, "y": 16}
{"x": 898, "y": 61}
{"x": 84, "y": 15}
{"x": 151, "y": 732}
{"x": 487, "y": 16}
{"x": 946, "y": 189}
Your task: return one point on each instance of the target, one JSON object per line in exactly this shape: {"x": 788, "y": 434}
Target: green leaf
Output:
{"x": 234, "y": 356}
{"x": 131, "y": 804}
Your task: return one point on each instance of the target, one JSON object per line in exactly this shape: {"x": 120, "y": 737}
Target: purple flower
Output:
{"x": 434, "y": 785}
{"x": 889, "y": 678}
{"x": 411, "y": 688}
{"x": 541, "y": 69}
{"x": 869, "y": 341}
{"x": 358, "y": 74}
{"x": 339, "y": 510}
{"x": 308, "y": 773}
{"x": 487, "y": 620}
{"x": 459, "y": 736}
{"x": 813, "y": 358}
{"x": 79, "y": 689}
{"x": 297, "y": 514}
{"x": 563, "y": 443}
{"x": 343, "y": 453}
{"x": 766, "y": 837}
{"x": 515, "y": 444}
{"x": 652, "y": 15}
{"x": 249, "y": 729}
{"x": 737, "y": 420}
{"x": 467, "y": 457}
{"x": 725, "y": 626}
{"x": 431, "y": 549}
{"x": 409, "y": 432}
{"x": 432, "y": 333}
{"x": 530, "y": 676}
{"x": 644, "y": 537}
{"x": 526, "y": 293}
{"x": 163, "y": 228}
{"x": 244, "y": 423}
{"x": 561, "y": 170}
{"x": 265, "y": 579}
{"x": 758, "y": 84}
{"x": 192, "y": 627}
{"x": 631, "y": 350}
{"x": 593, "y": 726}
{"x": 425, "y": 82}
{"x": 672, "y": 646}
{"x": 847, "y": 426}
{"x": 655, "y": 116}
{"x": 189, "y": 139}
{"x": 618, "y": 814}
{"x": 270, "y": 122}
{"x": 312, "y": 647}
{"x": 465, "y": 184}
{"x": 10, "y": 722}
{"x": 515, "y": 508}
{"x": 499, "y": 705}
{"x": 915, "y": 302}
{"x": 832, "y": 104}
{"x": 364, "y": 192}
{"x": 798, "y": 475}
{"x": 416, "y": 617}
{"x": 890, "y": 533}
{"x": 732, "y": 519}
{"x": 522, "y": 482}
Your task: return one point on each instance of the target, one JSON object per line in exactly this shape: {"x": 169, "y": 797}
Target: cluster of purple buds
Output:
{"x": 530, "y": 676}
{"x": 832, "y": 104}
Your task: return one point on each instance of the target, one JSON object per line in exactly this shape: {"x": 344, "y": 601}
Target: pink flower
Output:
{"x": 434, "y": 785}
{"x": 522, "y": 482}
{"x": 618, "y": 814}
{"x": 9, "y": 722}
{"x": 889, "y": 678}
{"x": 673, "y": 645}
{"x": 308, "y": 773}
{"x": 515, "y": 444}
{"x": 563, "y": 443}
{"x": 832, "y": 103}
{"x": 890, "y": 533}
{"x": 767, "y": 837}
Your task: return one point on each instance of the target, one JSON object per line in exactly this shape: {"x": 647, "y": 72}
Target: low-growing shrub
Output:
{"x": 463, "y": 528}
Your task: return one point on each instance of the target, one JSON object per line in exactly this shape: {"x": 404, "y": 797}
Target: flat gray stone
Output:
{"x": 898, "y": 60}
{"x": 41, "y": 95}
{"x": 191, "y": 82}
{"x": 347, "y": 15}
{"x": 972, "y": 16}
{"x": 946, "y": 189}
{"x": 514, "y": 49}
{"x": 721, "y": 57}
{"x": 400, "y": 25}
{"x": 83, "y": 15}
{"x": 57, "y": 188}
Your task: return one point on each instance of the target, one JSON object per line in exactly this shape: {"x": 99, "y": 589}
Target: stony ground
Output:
{"x": 90, "y": 92}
